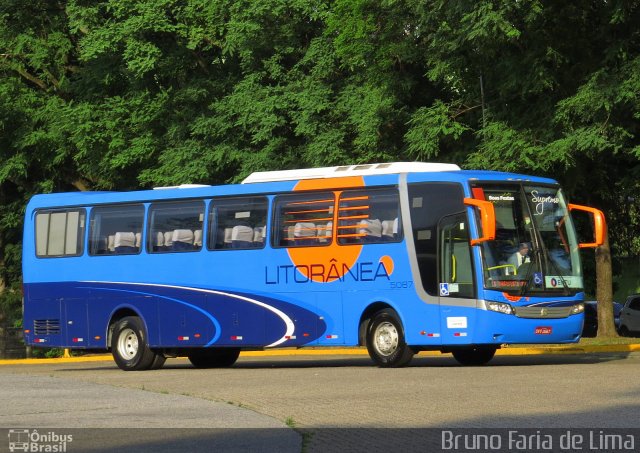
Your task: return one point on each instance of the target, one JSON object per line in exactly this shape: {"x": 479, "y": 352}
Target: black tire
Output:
{"x": 214, "y": 358}
{"x": 158, "y": 361}
{"x": 129, "y": 345}
{"x": 624, "y": 331}
{"x": 474, "y": 356}
{"x": 385, "y": 340}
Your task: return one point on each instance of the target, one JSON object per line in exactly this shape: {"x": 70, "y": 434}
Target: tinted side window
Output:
{"x": 456, "y": 262}
{"x": 115, "y": 230}
{"x": 430, "y": 202}
{"x": 369, "y": 216}
{"x": 60, "y": 233}
{"x": 304, "y": 220}
{"x": 237, "y": 223}
{"x": 175, "y": 227}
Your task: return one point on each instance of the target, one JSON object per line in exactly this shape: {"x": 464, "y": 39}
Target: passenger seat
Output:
{"x": 182, "y": 240}
{"x": 305, "y": 233}
{"x": 241, "y": 237}
{"x": 124, "y": 242}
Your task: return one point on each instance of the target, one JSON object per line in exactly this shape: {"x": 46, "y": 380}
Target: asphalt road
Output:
{"x": 336, "y": 403}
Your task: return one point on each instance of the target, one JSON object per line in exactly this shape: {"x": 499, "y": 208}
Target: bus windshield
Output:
{"x": 535, "y": 249}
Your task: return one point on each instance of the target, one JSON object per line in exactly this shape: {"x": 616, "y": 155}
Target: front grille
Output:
{"x": 46, "y": 326}
{"x": 543, "y": 312}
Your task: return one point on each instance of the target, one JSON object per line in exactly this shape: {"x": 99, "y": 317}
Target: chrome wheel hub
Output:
{"x": 128, "y": 344}
{"x": 386, "y": 339}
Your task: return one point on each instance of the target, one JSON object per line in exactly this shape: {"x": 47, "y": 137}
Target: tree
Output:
{"x": 126, "y": 94}
{"x": 561, "y": 97}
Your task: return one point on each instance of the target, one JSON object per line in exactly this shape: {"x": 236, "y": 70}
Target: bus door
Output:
{"x": 456, "y": 280}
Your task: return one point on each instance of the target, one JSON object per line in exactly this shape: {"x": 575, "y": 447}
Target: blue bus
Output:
{"x": 398, "y": 257}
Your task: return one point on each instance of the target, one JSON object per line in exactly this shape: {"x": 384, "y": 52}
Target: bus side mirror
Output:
{"x": 487, "y": 219}
{"x": 599, "y": 225}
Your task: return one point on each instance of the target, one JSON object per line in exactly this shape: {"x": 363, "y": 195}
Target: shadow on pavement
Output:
{"x": 328, "y": 361}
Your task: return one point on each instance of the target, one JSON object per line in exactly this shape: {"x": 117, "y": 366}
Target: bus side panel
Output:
{"x": 100, "y": 310}
{"x": 242, "y": 323}
{"x": 42, "y": 323}
{"x": 332, "y": 314}
{"x": 180, "y": 321}
{"x": 76, "y": 322}
{"x": 191, "y": 316}
{"x": 458, "y": 324}
{"x": 107, "y": 300}
{"x": 421, "y": 320}
{"x": 55, "y": 315}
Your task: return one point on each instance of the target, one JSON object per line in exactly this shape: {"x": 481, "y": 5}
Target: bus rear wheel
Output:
{"x": 474, "y": 356}
{"x": 214, "y": 358}
{"x": 385, "y": 340}
{"x": 129, "y": 346}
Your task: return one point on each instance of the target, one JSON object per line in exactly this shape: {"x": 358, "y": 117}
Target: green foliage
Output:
{"x": 47, "y": 353}
{"x": 124, "y": 94}
{"x": 430, "y": 128}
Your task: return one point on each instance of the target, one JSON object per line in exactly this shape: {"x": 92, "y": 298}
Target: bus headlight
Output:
{"x": 500, "y": 307}
{"x": 577, "y": 308}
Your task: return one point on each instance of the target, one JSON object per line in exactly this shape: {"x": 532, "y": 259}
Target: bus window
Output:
{"x": 237, "y": 223}
{"x": 429, "y": 202}
{"x": 369, "y": 216}
{"x": 304, "y": 220}
{"x": 115, "y": 230}
{"x": 60, "y": 233}
{"x": 456, "y": 265}
{"x": 175, "y": 226}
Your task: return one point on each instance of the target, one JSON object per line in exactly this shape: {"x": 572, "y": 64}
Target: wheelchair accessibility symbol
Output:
{"x": 537, "y": 278}
{"x": 444, "y": 289}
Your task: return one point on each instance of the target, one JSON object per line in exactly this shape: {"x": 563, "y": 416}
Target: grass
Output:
{"x": 306, "y": 434}
{"x": 240, "y": 405}
{"x": 597, "y": 341}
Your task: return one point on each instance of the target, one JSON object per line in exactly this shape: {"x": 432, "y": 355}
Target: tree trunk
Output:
{"x": 604, "y": 290}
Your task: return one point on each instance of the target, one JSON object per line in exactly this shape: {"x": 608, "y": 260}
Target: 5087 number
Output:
{"x": 402, "y": 285}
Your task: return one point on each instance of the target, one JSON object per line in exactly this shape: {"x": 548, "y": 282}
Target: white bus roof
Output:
{"x": 182, "y": 186}
{"x": 348, "y": 170}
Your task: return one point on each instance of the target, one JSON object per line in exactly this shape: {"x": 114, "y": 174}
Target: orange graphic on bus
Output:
{"x": 346, "y": 255}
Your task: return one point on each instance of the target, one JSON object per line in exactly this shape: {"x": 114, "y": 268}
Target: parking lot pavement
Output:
{"x": 183, "y": 423}
{"x": 336, "y": 402}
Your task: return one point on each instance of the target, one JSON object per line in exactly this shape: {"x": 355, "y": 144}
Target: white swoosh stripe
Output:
{"x": 288, "y": 322}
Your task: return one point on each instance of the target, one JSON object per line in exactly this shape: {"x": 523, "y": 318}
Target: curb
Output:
{"x": 359, "y": 351}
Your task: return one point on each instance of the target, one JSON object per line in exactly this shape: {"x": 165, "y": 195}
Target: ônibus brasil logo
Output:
{"x": 30, "y": 440}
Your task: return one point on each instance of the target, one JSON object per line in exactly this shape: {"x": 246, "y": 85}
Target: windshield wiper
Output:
{"x": 527, "y": 278}
{"x": 556, "y": 270}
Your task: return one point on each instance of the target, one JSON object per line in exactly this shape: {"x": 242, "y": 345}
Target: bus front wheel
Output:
{"x": 129, "y": 346}
{"x": 385, "y": 340}
{"x": 214, "y": 358}
{"x": 474, "y": 356}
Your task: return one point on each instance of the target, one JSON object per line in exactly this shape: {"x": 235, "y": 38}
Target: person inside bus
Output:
{"x": 520, "y": 257}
